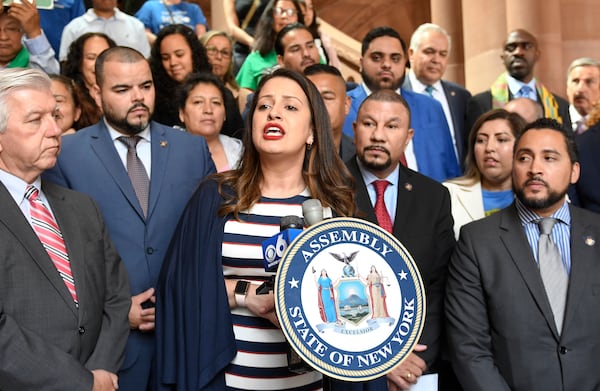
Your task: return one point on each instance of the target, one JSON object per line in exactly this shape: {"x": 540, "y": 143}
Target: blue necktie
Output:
{"x": 429, "y": 90}
{"x": 524, "y": 92}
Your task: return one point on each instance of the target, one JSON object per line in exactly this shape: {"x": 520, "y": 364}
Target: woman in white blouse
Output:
{"x": 486, "y": 186}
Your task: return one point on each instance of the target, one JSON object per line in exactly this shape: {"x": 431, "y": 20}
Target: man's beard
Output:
{"x": 539, "y": 204}
{"x": 375, "y": 166}
{"x": 373, "y": 86}
{"x": 123, "y": 125}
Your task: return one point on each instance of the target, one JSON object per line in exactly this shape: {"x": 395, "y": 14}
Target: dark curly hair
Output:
{"x": 90, "y": 114}
{"x": 71, "y": 67}
{"x": 166, "y": 111}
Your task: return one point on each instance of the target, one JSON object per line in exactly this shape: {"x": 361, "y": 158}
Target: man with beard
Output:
{"x": 296, "y": 48}
{"x": 415, "y": 209}
{"x": 383, "y": 62}
{"x": 141, "y": 174}
{"x": 519, "y": 54}
{"x": 522, "y": 292}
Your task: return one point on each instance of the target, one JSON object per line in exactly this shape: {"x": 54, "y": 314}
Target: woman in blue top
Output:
{"x": 157, "y": 14}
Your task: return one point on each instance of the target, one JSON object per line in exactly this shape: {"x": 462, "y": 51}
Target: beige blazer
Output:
{"x": 466, "y": 202}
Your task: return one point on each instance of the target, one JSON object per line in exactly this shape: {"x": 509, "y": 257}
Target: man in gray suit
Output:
{"x": 512, "y": 323}
{"x": 64, "y": 293}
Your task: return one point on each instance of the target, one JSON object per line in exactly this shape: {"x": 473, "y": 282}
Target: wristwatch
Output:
{"x": 240, "y": 292}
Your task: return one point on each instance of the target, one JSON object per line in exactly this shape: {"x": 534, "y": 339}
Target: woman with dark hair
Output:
{"x": 277, "y": 15}
{"x": 201, "y": 101}
{"x": 215, "y": 333}
{"x": 67, "y": 111}
{"x": 486, "y": 186}
{"x": 327, "y": 51}
{"x": 73, "y": 110}
{"x": 175, "y": 54}
{"x": 80, "y": 67}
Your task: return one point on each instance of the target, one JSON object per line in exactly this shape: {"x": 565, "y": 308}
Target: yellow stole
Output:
{"x": 500, "y": 96}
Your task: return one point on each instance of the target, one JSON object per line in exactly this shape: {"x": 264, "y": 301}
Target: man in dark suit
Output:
{"x": 586, "y": 192}
{"x": 383, "y": 63}
{"x": 428, "y": 55}
{"x": 141, "y": 211}
{"x": 522, "y": 317}
{"x": 64, "y": 294}
{"x": 519, "y": 54}
{"x": 332, "y": 87}
{"x": 418, "y": 214}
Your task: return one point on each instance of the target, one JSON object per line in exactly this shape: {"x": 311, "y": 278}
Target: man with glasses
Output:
{"x": 519, "y": 54}
{"x": 22, "y": 41}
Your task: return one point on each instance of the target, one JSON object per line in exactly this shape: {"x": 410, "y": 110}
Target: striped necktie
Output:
{"x": 552, "y": 270}
{"x": 49, "y": 234}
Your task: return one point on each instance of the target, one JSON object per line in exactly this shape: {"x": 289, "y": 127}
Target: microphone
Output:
{"x": 312, "y": 211}
{"x": 274, "y": 247}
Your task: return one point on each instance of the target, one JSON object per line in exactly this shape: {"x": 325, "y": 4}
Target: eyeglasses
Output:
{"x": 289, "y": 12}
{"x": 213, "y": 51}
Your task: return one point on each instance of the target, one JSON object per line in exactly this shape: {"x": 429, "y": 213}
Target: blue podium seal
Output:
{"x": 350, "y": 299}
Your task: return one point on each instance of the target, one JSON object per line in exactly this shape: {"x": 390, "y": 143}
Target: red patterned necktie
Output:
{"x": 49, "y": 234}
{"x": 381, "y": 212}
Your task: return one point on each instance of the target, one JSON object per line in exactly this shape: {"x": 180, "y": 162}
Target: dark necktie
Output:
{"x": 552, "y": 270}
{"x": 49, "y": 234}
{"x": 381, "y": 212}
{"x": 136, "y": 171}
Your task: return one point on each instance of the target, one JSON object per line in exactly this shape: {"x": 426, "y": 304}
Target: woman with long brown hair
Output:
{"x": 214, "y": 330}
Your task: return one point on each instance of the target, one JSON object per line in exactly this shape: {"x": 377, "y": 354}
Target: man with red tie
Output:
{"x": 411, "y": 206}
{"x": 64, "y": 293}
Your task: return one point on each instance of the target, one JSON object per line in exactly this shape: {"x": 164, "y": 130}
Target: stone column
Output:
{"x": 484, "y": 31}
{"x": 448, "y": 14}
{"x": 543, "y": 20}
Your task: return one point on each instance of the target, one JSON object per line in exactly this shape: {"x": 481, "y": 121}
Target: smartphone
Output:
{"x": 41, "y": 4}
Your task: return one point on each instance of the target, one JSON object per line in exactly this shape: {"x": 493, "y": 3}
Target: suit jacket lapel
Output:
{"x": 104, "y": 148}
{"x": 451, "y": 99}
{"x": 160, "y": 153}
{"x": 66, "y": 219}
{"x": 404, "y": 202}
{"x": 363, "y": 202}
{"x": 471, "y": 200}
{"x": 513, "y": 237}
{"x": 15, "y": 222}
{"x": 584, "y": 252}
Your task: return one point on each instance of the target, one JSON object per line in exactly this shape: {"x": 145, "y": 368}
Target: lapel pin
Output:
{"x": 589, "y": 241}
{"x": 408, "y": 186}
{"x": 163, "y": 143}
{"x": 452, "y": 93}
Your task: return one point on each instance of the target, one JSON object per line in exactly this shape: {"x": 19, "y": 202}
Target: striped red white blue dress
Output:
{"x": 261, "y": 361}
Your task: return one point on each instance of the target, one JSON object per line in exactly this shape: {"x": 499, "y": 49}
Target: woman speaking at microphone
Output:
{"x": 213, "y": 330}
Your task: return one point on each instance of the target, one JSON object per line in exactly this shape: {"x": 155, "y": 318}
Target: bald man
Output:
{"x": 520, "y": 53}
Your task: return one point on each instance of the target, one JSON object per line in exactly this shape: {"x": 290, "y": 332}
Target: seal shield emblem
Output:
{"x": 350, "y": 299}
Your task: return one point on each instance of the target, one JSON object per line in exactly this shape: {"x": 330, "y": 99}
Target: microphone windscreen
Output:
{"x": 312, "y": 211}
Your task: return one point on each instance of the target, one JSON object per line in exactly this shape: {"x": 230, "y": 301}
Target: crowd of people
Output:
{"x": 144, "y": 158}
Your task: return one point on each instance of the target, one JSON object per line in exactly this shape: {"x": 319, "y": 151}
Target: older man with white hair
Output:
{"x": 428, "y": 54}
{"x": 583, "y": 90}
